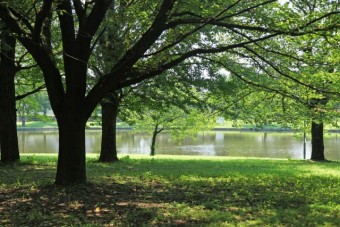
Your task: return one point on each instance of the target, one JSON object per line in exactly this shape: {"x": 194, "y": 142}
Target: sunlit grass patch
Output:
{"x": 39, "y": 124}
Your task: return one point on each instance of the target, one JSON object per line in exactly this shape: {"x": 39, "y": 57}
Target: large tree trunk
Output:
{"x": 108, "y": 152}
{"x": 317, "y": 142}
{"x": 8, "y": 128}
{"x": 71, "y": 160}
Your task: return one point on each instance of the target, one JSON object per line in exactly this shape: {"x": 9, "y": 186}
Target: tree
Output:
{"x": 8, "y": 133}
{"x": 110, "y": 109}
{"x": 305, "y": 77}
{"x": 106, "y": 54}
{"x": 12, "y": 62}
{"x": 170, "y": 103}
{"x": 33, "y": 106}
{"x": 160, "y": 31}
{"x": 176, "y": 121}
{"x": 9, "y": 69}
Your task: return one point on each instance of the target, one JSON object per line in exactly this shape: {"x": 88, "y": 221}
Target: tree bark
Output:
{"x": 8, "y": 128}
{"x": 71, "y": 159}
{"x": 317, "y": 142}
{"x": 108, "y": 152}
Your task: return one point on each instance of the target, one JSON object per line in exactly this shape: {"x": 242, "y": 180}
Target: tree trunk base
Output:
{"x": 317, "y": 142}
{"x": 108, "y": 152}
{"x": 71, "y": 159}
{"x": 108, "y": 159}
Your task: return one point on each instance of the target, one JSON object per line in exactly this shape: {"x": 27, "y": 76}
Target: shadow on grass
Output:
{"x": 168, "y": 192}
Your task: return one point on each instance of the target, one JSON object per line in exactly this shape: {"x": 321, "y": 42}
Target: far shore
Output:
{"x": 214, "y": 129}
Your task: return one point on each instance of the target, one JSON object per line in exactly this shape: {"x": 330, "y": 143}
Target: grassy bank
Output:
{"x": 173, "y": 190}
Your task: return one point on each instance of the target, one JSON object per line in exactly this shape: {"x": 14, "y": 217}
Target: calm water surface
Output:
{"x": 215, "y": 143}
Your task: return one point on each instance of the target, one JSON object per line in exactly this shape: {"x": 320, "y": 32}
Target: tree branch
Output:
{"x": 80, "y": 10}
{"x": 184, "y": 36}
{"x": 269, "y": 89}
{"x": 148, "y": 38}
{"x": 39, "y": 19}
{"x": 51, "y": 73}
{"x": 108, "y": 83}
{"x": 245, "y": 10}
{"x": 26, "y": 67}
{"x": 67, "y": 34}
{"x": 138, "y": 77}
{"x": 22, "y": 96}
{"x": 95, "y": 18}
{"x": 21, "y": 18}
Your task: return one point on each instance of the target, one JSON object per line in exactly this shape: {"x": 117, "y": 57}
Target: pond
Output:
{"x": 213, "y": 143}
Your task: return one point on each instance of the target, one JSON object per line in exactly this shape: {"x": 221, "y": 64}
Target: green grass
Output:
{"x": 38, "y": 124}
{"x": 173, "y": 190}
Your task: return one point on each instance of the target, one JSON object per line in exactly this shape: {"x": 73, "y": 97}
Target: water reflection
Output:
{"x": 245, "y": 144}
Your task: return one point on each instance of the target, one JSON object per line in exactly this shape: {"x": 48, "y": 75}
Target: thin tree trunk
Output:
{"x": 153, "y": 141}
{"x": 108, "y": 152}
{"x": 71, "y": 160}
{"x": 156, "y": 131}
{"x": 8, "y": 128}
{"x": 317, "y": 142}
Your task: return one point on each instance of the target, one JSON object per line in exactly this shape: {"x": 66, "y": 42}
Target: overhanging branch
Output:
{"x": 22, "y": 96}
{"x": 280, "y": 72}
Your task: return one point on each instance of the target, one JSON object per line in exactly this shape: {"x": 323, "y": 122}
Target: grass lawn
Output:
{"x": 171, "y": 191}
